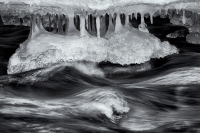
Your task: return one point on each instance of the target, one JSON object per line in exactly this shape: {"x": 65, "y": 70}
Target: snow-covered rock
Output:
{"x": 177, "y": 19}
{"x": 195, "y": 28}
{"x": 130, "y": 46}
{"x": 193, "y": 38}
{"x": 178, "y": 33}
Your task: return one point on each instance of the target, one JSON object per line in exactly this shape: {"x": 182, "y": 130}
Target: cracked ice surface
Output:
{"x": 127, "y": 47}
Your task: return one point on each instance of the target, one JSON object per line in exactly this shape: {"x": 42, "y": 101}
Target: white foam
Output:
{"x": 88, "y": 103}
{"x": 179, "y": 76}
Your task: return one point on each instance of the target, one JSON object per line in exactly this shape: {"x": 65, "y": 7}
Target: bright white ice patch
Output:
{"x": 130, "y": 46}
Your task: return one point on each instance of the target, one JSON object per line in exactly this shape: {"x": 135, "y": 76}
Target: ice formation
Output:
{"x": 178, "y": 33}
{"x": 98, "y": 26}
{"x": 80, "y": 31}
{"x": 47, "y": 49}
{"x": 190, "y": 20}
{"x": 118, "y": 24}
{"x": 143, "y": 27}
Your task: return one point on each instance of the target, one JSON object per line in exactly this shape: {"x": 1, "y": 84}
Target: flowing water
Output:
{"x": 161, "y": 95}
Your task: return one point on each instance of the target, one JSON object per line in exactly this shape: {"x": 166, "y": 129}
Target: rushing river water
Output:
{"x": 160, "y": 96}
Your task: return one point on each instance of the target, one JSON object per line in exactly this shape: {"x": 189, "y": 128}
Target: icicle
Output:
{"x": 136, "y": 16}
{"x": 142, "y": 19}
{"x": 98, "y": 26}
{"x": 40, "y": 26}
{"x": 131, "y": 16}
{"x": 118, "y": 25}
{"x": 34, "y": 30}
{"x": 183, "y": 18}
{"x": 176, "y": 10}
{"x": 71, "y": 27}
{"x": 87, "y": 21}
{"x": 142, "y": 26}
{"x": 126, "y": 19}
{"x": 166, "y": 11}
{"x": 111, "y": 27}
{"x": 112, "y": 15}
{"x": 82, "y": 26}
{"x": 151, "y": 18}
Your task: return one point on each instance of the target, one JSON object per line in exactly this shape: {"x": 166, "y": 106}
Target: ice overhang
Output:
{"x": 91, "y": 6}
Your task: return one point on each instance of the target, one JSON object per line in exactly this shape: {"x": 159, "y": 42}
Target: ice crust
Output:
{"x": 93, "y": 4}
{"x": 129, "y": 46}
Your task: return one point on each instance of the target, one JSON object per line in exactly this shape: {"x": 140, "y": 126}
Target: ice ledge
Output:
{"x": 100, "y": 5}
{"x": 129, "y": 46}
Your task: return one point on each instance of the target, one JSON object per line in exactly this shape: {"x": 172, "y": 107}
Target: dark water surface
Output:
{"x": 160, "y": 96}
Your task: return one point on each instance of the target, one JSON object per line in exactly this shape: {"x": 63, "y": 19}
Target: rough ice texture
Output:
{"x": 94, "y": 4}
{"x": 130, "y": 46}
{"x": 195, "y": 28}
{"x": 177, "y": 20}
{"x": 193, "y": 38}
{"x": 178, "y": 33}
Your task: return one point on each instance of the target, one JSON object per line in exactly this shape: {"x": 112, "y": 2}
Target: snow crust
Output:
{"x": 130, "y": 46}
{"x": 94, "y": 4}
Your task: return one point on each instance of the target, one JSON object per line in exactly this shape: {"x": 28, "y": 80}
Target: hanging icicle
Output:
{"x": 183, "y": 18}
{"x": 143, "y": 27}
{"x": 98, "y": 25}
{"x": 177, "y": 11}
{"x": 34, "y": 30}
{"x": 82, "y": 25}
{"x": 142, "y": 19}
{"x": 126, "y": 19}
{"x": 111, "y": 27}
{"x": 71, "y": 27}
{"x": 118, "y": 25}
{"x": 151, "y": 18}
{"x": 40, "y": 26}
{"x": 136, "y": 15}
{"x": 87, "y": 20}
{"x": 166, "y": 11}
{"x": 131, "y": 16}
